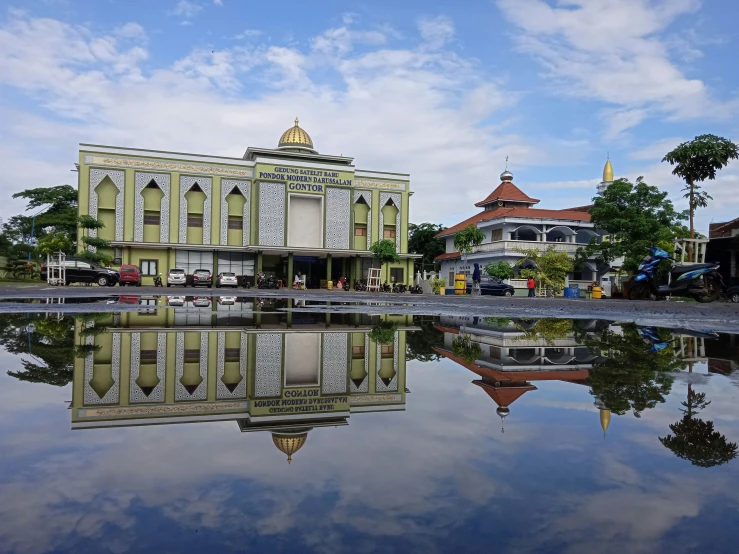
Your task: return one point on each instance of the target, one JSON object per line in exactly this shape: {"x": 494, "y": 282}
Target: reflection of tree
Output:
{"x": 695, "y": 440}
{"x": 420, "y": 344}
{"x": 628, "y": 376}
{"x": 384, "y": 333}
{"x": 549, "y": 329}
{"x": 51, "y": 344}
{"x": 463, "y": 347}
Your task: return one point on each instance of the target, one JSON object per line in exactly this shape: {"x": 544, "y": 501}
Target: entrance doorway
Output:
{"x": 312, "y": 267}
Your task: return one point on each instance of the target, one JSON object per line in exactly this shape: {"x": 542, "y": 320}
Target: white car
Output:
{"x": 175, "y": 300}
{"x": 226, "y": 279}
{"x": 201, "y": 301}
{"x": 176, "y": 277}
{"x": 227, "y": 300}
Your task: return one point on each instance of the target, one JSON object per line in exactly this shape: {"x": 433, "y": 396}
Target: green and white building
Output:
{"x": 286, "y": 210}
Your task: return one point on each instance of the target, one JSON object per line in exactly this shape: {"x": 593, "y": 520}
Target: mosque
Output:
{"x": 286, "y": 210}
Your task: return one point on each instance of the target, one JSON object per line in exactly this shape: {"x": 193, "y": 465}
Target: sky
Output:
{"x": 441, "y": 90}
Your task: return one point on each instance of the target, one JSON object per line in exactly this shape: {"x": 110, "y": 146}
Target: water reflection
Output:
{"x": 373, "y": 467}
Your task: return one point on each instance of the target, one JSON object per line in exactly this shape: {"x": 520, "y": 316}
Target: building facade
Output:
{"x": 511, "y": 222}
{"x": 287, "y": 211}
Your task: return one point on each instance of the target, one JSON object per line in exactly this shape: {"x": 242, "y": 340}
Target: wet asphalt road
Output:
{"x": 718, "y": 316}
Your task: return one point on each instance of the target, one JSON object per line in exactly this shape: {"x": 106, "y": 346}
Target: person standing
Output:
{"x": 476, "y": 280}
{"x": 531, "y": 284}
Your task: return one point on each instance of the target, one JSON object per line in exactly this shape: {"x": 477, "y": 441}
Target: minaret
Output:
{"x": 605, "y": 415}
{"x": 607, "y": 176}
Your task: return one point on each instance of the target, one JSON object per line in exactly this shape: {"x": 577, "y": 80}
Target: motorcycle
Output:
{"x": 245, "y": 281}
{"x": 399, "y": 287}
{"x": 416, "y": 289}
{"x": 386, "y": 287}
{"x": 700, "y": 281}
{"x": 157, "y": 281}
{"x": 360, "y": 285}
{"x": 268, "y": 283}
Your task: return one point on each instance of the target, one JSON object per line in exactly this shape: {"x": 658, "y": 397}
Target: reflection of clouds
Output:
{"x": 415, "y": 479}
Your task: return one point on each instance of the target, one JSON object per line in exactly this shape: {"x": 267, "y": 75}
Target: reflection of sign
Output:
{"x": 311, "y": 180}
{"x": 299, "y": 401}
{"x": 179, "y": 409}
{"x": 376, "y": 399}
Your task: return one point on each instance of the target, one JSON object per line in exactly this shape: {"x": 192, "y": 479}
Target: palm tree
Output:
{"x": 698, "y": 160}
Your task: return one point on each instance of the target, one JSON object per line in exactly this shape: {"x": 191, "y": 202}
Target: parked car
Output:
{"x": 226, "y": 279}
{"x": 176, "y": 277}
{"x": 202, "y": 277}
{"x": 227, "y": 300}
{"x": 130, "y": 275}
{"x": 492, "y": 286}
{"x": 733, "y": 293}
{"x": 175, "y": 301}
{"x": 201, "y": 301}
{"x": 79, "y": 270}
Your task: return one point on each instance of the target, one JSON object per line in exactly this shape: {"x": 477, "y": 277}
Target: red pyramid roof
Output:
{"x": 504, "y": 396}
{"x": 507, "y": 191}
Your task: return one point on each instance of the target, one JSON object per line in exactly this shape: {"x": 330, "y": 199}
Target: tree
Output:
{"x": 420, "y": 344}
{"x": 548, "y": 328}
{"x": 695, "y": 440}
{"x": 697, "y": 160}
{"x": 636, "y": 217}
{"x": 463, "y": 347}
{"x": 502, "y": 270}
{"x": 466, "y": 239}
{"x": 384, "y": 333}
{"x": 552, "y": 266}
{"x": 55, "y": 242}
{"x": 87, "y": 224}
{"x": 384, "y": 252}
{"x": 626, "y": 375}
{"x": 422, "y": 240}
{"x": 61, "y": 214}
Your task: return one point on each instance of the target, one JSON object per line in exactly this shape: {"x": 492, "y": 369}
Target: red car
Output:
{"x": 130, "y": 275}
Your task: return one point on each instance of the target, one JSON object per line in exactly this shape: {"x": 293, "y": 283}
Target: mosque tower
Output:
{"x": 605, "y": 415}
{"x": 607, "y": 176}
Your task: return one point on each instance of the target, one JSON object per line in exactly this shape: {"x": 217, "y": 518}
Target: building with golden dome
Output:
{"x": 286, "y": 210}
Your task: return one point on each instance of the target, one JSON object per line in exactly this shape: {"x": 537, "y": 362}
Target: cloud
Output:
{"x": 186, "y": 10}
{"x": 218, "y": 2}
{"x": 613, "y": 51}
{"x": 437, "y": 31}
{"x": 430, "y": 113}
{"x": 132, "y": 31}
{"x": 248, "y": 33}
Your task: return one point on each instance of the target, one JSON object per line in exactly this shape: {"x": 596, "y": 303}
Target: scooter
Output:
{"x": 157, "y": 281}
{"x": 700, "y": 281}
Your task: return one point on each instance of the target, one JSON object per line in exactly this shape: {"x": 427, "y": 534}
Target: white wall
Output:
{"x": 302, "y": 359}
{"x": 305, "y": 221}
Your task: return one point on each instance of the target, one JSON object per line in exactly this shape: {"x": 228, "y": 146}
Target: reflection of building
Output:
{"x": 285, "y": 210}
{"x": 512, "y": 356}
{"x": 280, "y": 372}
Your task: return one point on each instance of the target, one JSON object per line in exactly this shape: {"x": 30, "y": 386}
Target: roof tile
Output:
{"x": 507, "y": 191}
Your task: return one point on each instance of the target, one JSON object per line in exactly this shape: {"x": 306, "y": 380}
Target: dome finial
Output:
{"x": 506, "y": 175}
{"x": 296, "y": 121}
{"x": 608, "y": 170}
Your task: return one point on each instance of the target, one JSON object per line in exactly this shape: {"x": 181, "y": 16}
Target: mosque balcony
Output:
{"x": 511, "y": 246}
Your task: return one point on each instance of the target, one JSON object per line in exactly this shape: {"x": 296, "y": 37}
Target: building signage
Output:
{"x": 379, "y": 184}
{"x": 302, "y": 179}
{"x": 299, "y": 401}
{"x": 182, "y": 167}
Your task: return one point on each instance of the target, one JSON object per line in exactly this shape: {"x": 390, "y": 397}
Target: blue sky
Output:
{"x": 441, "y": 90}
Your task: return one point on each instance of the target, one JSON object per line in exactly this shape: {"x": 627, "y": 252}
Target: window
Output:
{"x": 236, "y": 223}
{"x": 360, "y": 231}
{"x": 387, "y": 350}
{"x": 149, "y": 267}
{"x": 396, "y": 274}
{"x": 232, "y": 354}
{"x": 151, "y": 218}
{"x": 388, "y": 233}
{"x": 358, "y": 352}
{"x": 451, "y": 278}
{"x": 148, "y": 356}
{"x": 84, "y": 265}
{"x": 192, "y": 355}
{"x": 496, "y": 234}
{"x": 194, "y": 220}
{"x": 148, "y": 302}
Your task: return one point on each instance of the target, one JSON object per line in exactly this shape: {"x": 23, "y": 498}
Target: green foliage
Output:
{"x": 422, "y": 240}
{"x": 626, "y": 376}
{"x": 51, "y": 347}
{"x": 420, "y": 344}
{"x": 97, "y": 242}
{"x": 87, "y": 222}
{"x": 383, "y": 333}
{"x": 549, "y": 329}
{"x": 497, "y": 321}
{"x": 437, "y": 284}
{"x": 466, "y": 239}
{"x": 463, "y": 347}
{"x": 501, "y": 270}
{"x": 637, "y": 217}
{"x": 52, "y": 243}
{"x": 384, "y": 252}
{"x": 84, "y": 350}
{"x": 553, "y": 267}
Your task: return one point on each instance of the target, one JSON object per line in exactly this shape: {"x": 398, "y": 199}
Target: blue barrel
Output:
{"x": 572, "y": 292}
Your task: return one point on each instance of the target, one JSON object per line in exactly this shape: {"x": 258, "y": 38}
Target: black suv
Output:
{"x": 202, "y": 277}
{"x": 84, "y": 271}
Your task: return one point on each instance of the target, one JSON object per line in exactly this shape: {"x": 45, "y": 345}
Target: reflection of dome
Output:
{"x": 290, "y": 441}
{"x": 605, "y": 420}
{"x": 296, "y": 138}
{"x": 503, "y": 412}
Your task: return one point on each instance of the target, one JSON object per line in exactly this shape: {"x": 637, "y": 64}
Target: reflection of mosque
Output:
{"x": 512, "y": 357}
{"x": 277, "y": 371}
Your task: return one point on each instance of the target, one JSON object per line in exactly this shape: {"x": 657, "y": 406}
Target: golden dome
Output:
{"x": 290, "y": 442}
{"x": 605, "y": 420}
{"x": 608, "y": 172}
{"x": 295, "y": 137}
